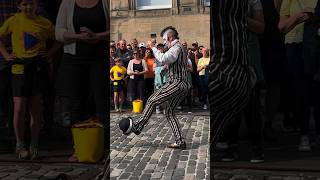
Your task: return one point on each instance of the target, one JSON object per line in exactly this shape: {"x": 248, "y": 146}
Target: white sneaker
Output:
{"x": 304, "y": 144}
{"x": 179, "y": 107}
{"x": 117, "y": 110}
{"x": 205, "y": 107}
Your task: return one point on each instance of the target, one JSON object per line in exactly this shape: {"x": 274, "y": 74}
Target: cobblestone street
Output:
{"x": 43, "y": 171}
{"x": 147, "y": 157}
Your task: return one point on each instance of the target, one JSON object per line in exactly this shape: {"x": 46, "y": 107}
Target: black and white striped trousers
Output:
{"x": 229, "y": 85}
{"x": 172, "y": 93}
{"x": 228, "y": 95}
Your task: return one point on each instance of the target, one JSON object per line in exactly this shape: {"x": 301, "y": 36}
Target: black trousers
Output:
{"x": 5, "y": 93}
{"x": 252, "y": 115}
{"x": 137, "y": 89}
{"x": 84, "y": 81}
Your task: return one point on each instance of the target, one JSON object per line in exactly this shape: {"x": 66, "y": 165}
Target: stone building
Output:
{"x": 142, "y": 19}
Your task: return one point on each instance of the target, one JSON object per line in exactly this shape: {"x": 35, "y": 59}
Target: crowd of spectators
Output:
{"x": 135, "y": 74}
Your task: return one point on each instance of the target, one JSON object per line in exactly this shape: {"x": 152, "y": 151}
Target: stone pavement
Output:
{"x": 247, "y": 174}
{"x": 147, "y": 157}
{"x": 42, "y": 171}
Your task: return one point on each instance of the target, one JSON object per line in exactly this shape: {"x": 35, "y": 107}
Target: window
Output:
{"x": 206, "y": 2}
{"x": 153, "y": 4}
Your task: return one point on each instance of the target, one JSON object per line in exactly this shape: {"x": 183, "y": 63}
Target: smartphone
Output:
{"x": 153, "y": 35}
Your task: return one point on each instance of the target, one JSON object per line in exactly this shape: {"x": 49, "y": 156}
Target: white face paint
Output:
{"x": 165, "y": 38}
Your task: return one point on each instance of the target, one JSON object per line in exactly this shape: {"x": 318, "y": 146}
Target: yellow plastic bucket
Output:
{"x": 137, "y": 106}
{"x": 88, "y": 137}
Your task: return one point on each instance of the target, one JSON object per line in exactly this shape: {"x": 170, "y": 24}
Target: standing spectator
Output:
{"x": 112, "y": 56}
{"x": 149, "y": 76}
{"x": 202, "y": 68}
{"x": 28, "y": 70}
{"x": 193, "y": 55}
{"x": 117, "y": 76}
{"x": 112, "y": 63}
{"x": 136, "y": 70}
{"x": 123, "y": 53}
{"x": 129, "y": 47}
{"x": 272, "y": 61}
{"x": 134, "y": 44}
{"x": 293, "y": 14}
{"x": 142, "y": 48}
{"x": 113, "y": 43}
{"x": 82, "y": 26}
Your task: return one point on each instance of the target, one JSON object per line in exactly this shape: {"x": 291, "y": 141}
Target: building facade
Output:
{"x": 142, "y": 19}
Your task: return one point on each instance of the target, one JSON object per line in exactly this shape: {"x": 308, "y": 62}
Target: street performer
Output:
{"x": 172, "y": 92}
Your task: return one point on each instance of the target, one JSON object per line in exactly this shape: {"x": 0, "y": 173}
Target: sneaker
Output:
{"x": 304, "y": 144}
{"x": 179, "y": 107}
{"x": 34, "y": 154}
{"x": 257, "y": 157}
{"x": 127, "y": 126}
{"x": 205, "y": 107}
{"x": 22, "y": 153}
{"x": 189, "y": 112}
{"x": 117, "y": 110}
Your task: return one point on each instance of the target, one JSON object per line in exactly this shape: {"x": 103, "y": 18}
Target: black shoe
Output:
{"x": 127, "y": 126}
{"x": 178, "y": 145}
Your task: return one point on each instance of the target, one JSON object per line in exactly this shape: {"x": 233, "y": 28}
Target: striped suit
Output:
{"x": 229, "y": 82}
{"x": 173, "y": 91}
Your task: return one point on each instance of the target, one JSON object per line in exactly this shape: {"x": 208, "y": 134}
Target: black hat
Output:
{"x": 125, "y": 125}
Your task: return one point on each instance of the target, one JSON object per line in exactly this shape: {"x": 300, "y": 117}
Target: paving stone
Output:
{"x": 291, "y": 178}
{"x": 148, "y": 171}
{"x": 183, "y": 158}
{"x": 200, "y": 174}
{"x": 145, "y": 177}
{"x": 122, "y": 166}
{"x": 178, "y": 177}
{"x": 33, "y": 176}
{"x": 134, "y": 178}
{"x": 274, "y": 178}
{"x": 125, "y": 175}
{"x": 156, "y": 175}
{"x": 189, "y": 177}
{"x": 3, "y": 174}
